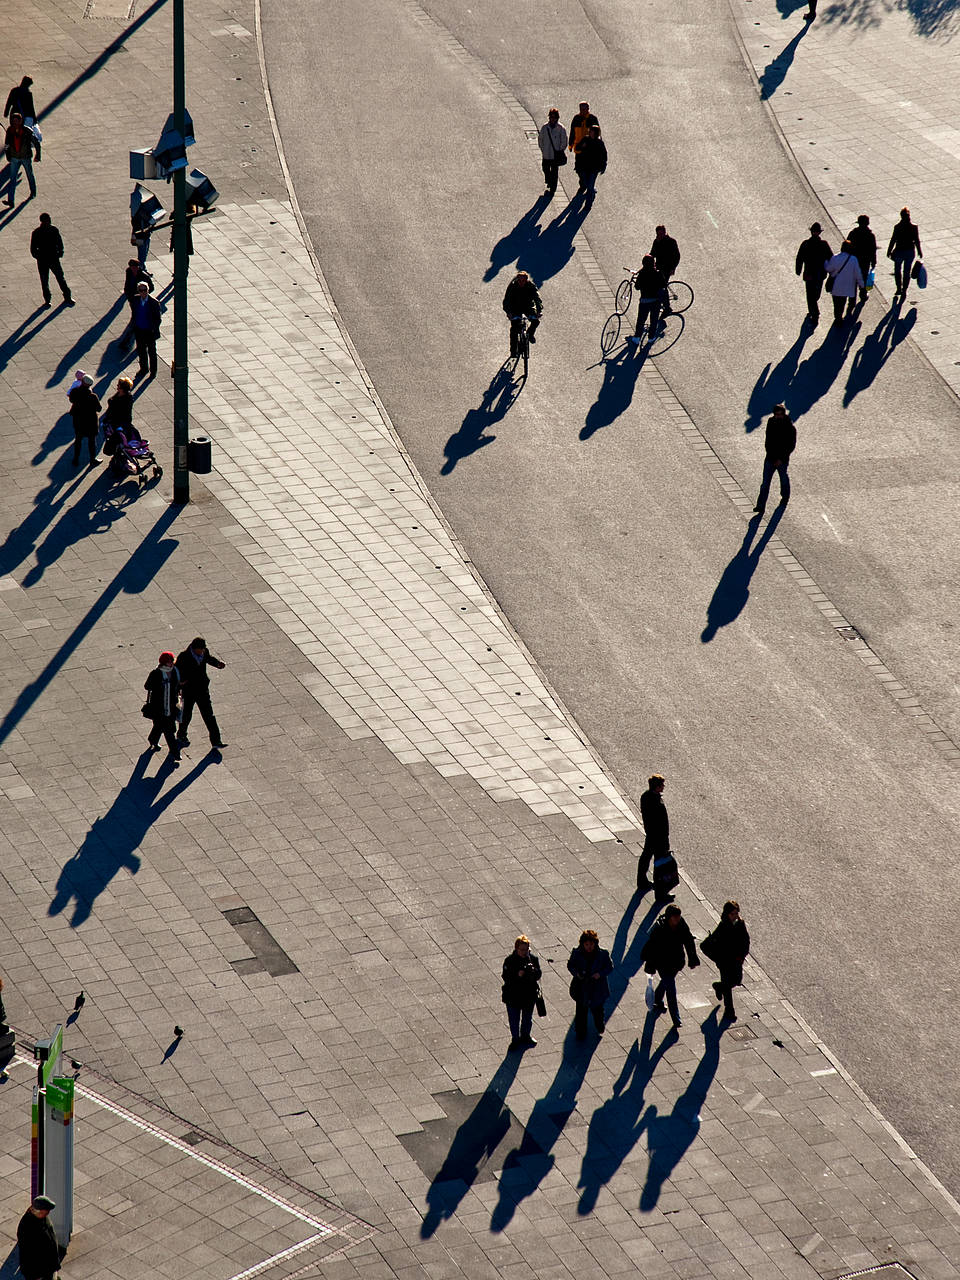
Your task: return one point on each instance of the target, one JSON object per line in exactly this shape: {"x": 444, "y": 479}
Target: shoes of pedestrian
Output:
{"x": 659, "y": 1006}
{"x": 153, "y": 746}
{"x": 46, "y": 303}
{"x": 758, "y": 511}
{"x": 95, "y": 462}
{"x": 514, "y": 1044}
{"x": 634, "y": 339}
{"x": 717, "y": 990}
{"x": 729, "y": 1015}
{"x": 677, "y": 1024}
{"x": 783, "y": 502}
{"x": 217, "y": 746}
{"x": 529, "y": 1042}
{"x": 69, "y": 302}
{"x": 531, "y": 338}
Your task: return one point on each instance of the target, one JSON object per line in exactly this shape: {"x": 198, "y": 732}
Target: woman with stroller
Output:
{"x": 119, "y": 415}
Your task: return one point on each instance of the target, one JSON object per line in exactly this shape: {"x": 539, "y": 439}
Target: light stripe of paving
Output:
{"x": 364, "y": 576}
{"x": 865, "y": 99}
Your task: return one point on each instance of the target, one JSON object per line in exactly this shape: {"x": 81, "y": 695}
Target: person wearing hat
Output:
{"x": 812, "y": 257}
{"x": 163, "y": 691}
{"x": 39, "y": 1251}
{"x": 145, "y": 317}
{"x": 19, "y": 145}
{"x": 85, "y": 412}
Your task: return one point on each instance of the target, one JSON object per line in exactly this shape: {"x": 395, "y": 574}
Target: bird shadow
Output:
{"x": 472, "y": 435}
{"x": 171, "y": 1049}
{"x": 733, "y": 590}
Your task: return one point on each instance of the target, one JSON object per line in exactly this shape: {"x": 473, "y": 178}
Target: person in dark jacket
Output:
{"x": 665, "y": 252}
{"x": 195, "y": 687}
{"x": 864, "y": 244}
{"x": 19, "y": 145}
{"x": 663, "y": 953}
{"x": 37, "y": 1242}
{"x": 85, "y": 412}
{"x": 590, "y": 966}
{"x": 728, "y": 946}
{"x": 903, "y": 247}
{"x": 145, "y": 317}
{"x": 780, "y": 441}
{"x": 20, "y": 99}
{"x": 521, "y": 986}
{"x": 522, "y": 298}
{"x": 590, "y": 161}
{"x": 580, "y": 125}
{"x": 163, "y": 689}
{"x": 812, "y": 257}
{"x": 656, "y": 827}
{"x": 119, "y": 412}
{"x": 651, "y": 287}
{"x": 132, "y": 277}
{"x": 46, "y": 247}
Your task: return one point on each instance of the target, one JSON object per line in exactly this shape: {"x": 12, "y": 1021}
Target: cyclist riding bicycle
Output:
{"x": 521, "y": 298}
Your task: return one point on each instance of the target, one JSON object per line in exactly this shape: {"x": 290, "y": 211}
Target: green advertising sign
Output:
{"x": 59, "y": 1093}
{"x": 48, "y": 1067}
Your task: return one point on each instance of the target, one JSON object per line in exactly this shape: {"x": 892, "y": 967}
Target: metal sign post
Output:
{"x": 52, "y": 1135}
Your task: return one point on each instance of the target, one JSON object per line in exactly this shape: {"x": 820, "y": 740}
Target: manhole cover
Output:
{"x": 741, "y": 1033}
{"x": 886, "y": 1271}
{"x": 848, "y": 633}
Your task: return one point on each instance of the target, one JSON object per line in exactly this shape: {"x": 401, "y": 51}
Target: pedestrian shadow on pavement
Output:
{"x": 800, "y": 384}
{"x": 10, "y": 1266}
{"x": 620, "y": 374}
{"x": 670, "y": 1137}
{"x": 19, "y": 337}
{"x": 509, "y": 247}
{"x": 7, "y": 215}
{"x": 773, "y": 384}
{"x": 21, "y": 539}
{"x": 542, "y": 253}
{"x": 69, "y": 361}
{"x": 109, "y": 846}
{"x": 733, "y": 589}
{"x": 139, "y": 570}
{"x": 877, "y": 349}
{"x": 526, "y": 1166}
{"x": 775, "y": 72}
{"x": 474, "y": 1143}
{"x": 96, "y": 511}
{"x": 616, "y": 1125}
{"x": 498, "y": 399}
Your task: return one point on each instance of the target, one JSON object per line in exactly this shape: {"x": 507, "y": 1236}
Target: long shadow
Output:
{"x": 543, "y": 252}
{"x": 59, "y": 435}
{"x": 133, "y": 578}
{"x": 19, "y": 337}
{"x": 109, "y": 846}
{"x": 620, "y": 376}
{"x": 472, "y": 435}
{"x": 877, "y": 349}
{"x": 527, "y": 1165}
{"x": 98, "y": 509}
{"x": 473, "y": 1144}
{"x": 509, "y": 247}
{"x": 733, "y": 590}
{"x": 775, "y": 72}
{"x": 773, "y": 384}
{"x": 616, "y": 1126}
{"x": 10, "y": 1266}
{"x": 787, "y": 7}
{"x": 100, "y": 61}
{"x": 85, "y": 342}
{"x": 7, "y": 215}
{"x": 799, "y": 385}
{"x": 669, "y": 1137}
{"x": 21, "y": 540}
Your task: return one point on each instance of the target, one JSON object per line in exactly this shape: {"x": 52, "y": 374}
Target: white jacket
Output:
{"x": 552, "y": 138}
{"x": 847, "y": 276}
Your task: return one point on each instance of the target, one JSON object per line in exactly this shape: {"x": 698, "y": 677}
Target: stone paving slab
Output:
{"x": 393, "y": 877}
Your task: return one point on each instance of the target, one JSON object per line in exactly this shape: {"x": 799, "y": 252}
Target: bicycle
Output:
{"x": 679, "y": 294}
{"x": 523, "y": 342}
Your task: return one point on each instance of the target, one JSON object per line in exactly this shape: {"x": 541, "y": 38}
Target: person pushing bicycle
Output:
{"x": 522, "y": 299}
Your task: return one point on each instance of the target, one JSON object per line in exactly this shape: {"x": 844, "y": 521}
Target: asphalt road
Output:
{"x": 794, "y": 783}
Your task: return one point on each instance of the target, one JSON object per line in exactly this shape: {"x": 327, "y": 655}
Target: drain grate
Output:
{"x": 886, "y": 1271}
{"x": 741, "y": 1033}
{"x": 849, "y": 633}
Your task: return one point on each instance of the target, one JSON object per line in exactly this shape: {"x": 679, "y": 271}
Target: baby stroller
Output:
{"x": 129, "y": 453}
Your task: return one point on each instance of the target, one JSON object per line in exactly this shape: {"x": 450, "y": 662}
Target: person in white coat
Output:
{"x": 844, "y": 269}
{"x": 553, "y": 148}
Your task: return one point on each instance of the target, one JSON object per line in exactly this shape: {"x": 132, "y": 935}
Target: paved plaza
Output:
{"x": 402, "y": 794}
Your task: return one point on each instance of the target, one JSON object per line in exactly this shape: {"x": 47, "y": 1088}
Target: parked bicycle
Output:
{"x": 679, "y": 294}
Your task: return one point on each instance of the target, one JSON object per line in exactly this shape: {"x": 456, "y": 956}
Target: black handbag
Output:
{"x": 146, "y": 712}
{"x": 541, "y": 1004}
{"x": 561, "y": 157}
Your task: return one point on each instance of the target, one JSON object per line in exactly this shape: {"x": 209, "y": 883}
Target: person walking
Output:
{"x": 37, "y": 1242}
{"x": 85, "y": 411}
{"x": 521, "y": 298}
{"x": 812, "y": 257}
{"x": 651, "y": 286}
{"x": 20, "y": 99}
{"x": 163, "y": 686}
{"x": 844, "y": 269}
{"x": 195, "y": 688}
{"x": 663, "y": 953}
{"x": 864, "y": 244}
{"x": 590, "y": 967}
{"x": 580, "y": 125}
{"x": 728, "y": 946}
{"x": 553, "y": 149}
{"x": 134, "y": 276}
{"x": 903, "y": 247}
{"x": 780, "y": 440}
{"x": 46, "y": 247}
{"x": 590, "y": 162}
{"x": 521, "y": 987}
{"x": 656, "y": 827}
{"x": 145, "y": 317}
{"x": 19, "y": 145}
{"x": 665, "y": 252}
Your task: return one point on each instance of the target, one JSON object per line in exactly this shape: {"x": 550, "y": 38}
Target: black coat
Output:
{"x": 864, "y": 245}
{"x": 46, "y": 244}
{"x": 521, "y": 980}
{"x": 591, "y": 156}
{"x": 522, "y": 299}
{"x": 663, "y": 952}
{"x": 120, "y": 412}
{"x": 39, "y": 1251}
{"x": 85, "y": 410}
{"x": 193, "y": 674}
{"x": 20, "y": 99}
{"x": 666, "y": 254}
{"x": 905, "y": 239}
{"x": 131, "y": 278}
{"x": 728, "y": 946}
{"x": 649, "y": 282}
{"x": 154, "y": 686}
{"x": 656, "y": 824}
{"x": 812, "y": 257}
{"x": 780, "y": 438}
{"x": 584, "y": 988}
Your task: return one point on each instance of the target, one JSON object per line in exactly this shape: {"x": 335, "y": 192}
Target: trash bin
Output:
{"x": 199, "y": 459}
